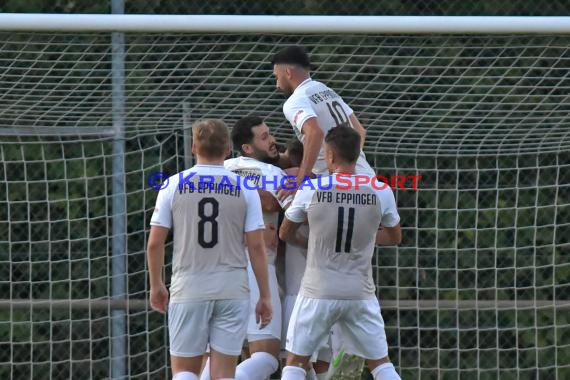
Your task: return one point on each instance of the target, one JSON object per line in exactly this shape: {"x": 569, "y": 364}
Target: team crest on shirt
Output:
{"x": 296, "y": 117}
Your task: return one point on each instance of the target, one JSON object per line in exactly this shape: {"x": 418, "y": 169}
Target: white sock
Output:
{"x": 185, "y": 376}
{"x": 322, "y": 376}
{"x": 206, "y": 371}
{"x": 311, "y": 374}
{"x": 259, "y": 366}
{"x": 293, "y": 373}
{"x": 385, "y": 371}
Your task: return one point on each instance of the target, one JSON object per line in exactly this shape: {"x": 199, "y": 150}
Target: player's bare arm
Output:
{"x": 314, "y": 137}
{"x": 268, "y": 202}
{"x": 389, "y": 235}
{"x": 270, "y": 236}
{"x": 359, "y": 128}
{"x": 155, "y": 258}
{"x": 289, "y": 232}
{"x": 258, "y": 258}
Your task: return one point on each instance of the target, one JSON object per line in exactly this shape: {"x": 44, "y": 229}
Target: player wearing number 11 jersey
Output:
{"x": 337, "y": 286}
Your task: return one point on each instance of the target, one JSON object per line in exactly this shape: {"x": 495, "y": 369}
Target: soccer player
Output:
{"x": 257, "y": 147}
{"x": 313, "y": 109}
{"x": 209, "y": 211}
{"x": 295, "y": 261}
{"x": 337, "y": 286}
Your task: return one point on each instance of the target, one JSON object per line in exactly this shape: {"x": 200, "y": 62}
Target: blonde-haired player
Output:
{"x": 209, "y": 294}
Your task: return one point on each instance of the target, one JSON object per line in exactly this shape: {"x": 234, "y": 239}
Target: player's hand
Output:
{"x": 159, "y": 298}
{"x": 263, "y": 312}
{"x": 284, "y": 193}
{"x": 294, "y": 171}
{"x": 270, "y": 237}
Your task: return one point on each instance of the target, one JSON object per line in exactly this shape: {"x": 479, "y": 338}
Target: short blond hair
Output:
{"x": 211, "y": 138}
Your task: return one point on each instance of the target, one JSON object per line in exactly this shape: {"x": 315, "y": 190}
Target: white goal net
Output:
{"x": 479, "y": 287}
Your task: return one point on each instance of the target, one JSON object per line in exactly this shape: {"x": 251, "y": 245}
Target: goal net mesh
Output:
{"x": 479, "y": 287}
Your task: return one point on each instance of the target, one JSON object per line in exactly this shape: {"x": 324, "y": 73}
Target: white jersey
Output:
{"x": 342, "y": 231}
{"x": 209, "y": 210}
{"x": 314, "y": 99}
{"x": 295, "y": 262}
{"x": 267, "y": 177}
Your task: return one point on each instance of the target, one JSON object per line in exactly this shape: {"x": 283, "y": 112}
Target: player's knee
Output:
{"x": 184, "y": 375}
{"x": 259, "y": 365}
{"x": 271, "y": 360}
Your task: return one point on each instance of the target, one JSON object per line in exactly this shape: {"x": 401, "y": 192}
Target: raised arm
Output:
{"x": 314, "y": 137}
{"x": 359, "y": 128}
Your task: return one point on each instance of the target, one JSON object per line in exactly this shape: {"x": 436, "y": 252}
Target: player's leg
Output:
{"x": 309, "y": 328}
{"x": 383, "y": 369}
{"x": 228, "y": 329}
{"x": 188, "y": 331}
{"x": 317, "y": 370}
{"x": 264, "y": 344}
{"x": 262, "y": 362}
{"x": 205, "y": 374}
{"x": 322, "y": 363}
{"x": 362, "y": 326}
{"x": 287, "y": 309}
{"x": 344, "y": 363}
{"x": 185, "y": 368}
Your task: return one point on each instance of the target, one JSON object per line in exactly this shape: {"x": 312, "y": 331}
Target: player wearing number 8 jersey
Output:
{"x": 337, "y": 286}
{"x": 209, "y": 293}
{"x": 313, "y": 109}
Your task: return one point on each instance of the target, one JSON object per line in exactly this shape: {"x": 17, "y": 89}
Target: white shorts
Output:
{"x": 273, "y": 329}
{"x": 324, "y": 353}
{"x": 359, "y": 321}
{"x": 194, "y": 324}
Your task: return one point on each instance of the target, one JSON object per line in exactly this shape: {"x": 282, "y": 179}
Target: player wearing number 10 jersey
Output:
{"x": 209, "y": 293}
{"x": 313, "y": 109}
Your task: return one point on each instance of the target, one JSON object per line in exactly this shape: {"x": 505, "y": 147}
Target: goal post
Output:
{"x": 477, "y": 106}
{"x": 285, "y": 24}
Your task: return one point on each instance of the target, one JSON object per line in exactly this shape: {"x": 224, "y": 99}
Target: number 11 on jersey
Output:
{"x": 340, "y": 230}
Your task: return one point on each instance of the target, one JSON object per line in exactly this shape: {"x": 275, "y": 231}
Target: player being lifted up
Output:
{"x": 313, "y": 109}
{"x": 209, "y": 294}
{"x": 252, "y": 138}
{"x": 340, "y": 253}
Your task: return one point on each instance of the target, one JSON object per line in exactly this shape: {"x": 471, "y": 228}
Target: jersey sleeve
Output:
{"x": 388, "y": 209}
{"x": 162, "y": 215}
{"x": 297, "y": 212}
{"x": 298, "y": 110}
{"x": 253, "y": 213}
